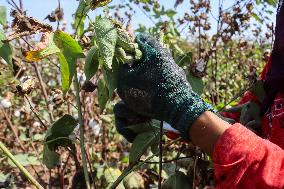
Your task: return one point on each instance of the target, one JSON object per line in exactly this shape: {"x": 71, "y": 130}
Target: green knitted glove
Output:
{"x": 157, "y": 87}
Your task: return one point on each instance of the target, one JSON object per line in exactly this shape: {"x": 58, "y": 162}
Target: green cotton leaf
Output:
{"x": 177, "y": 180}
{"x": 91, "y": 63}
{"x": 140, "y": 145}
{"x": 58, "y": 133}
{"x": 271, "y": 2}
{"x": 70, "y": 50}
{"x": 110, "y": 77}
{"x": 6, "y": 76}
{"x": 171, "y": 13}
{"x": 106, "y": 36}
{"x": 50, "y": 157}
{"x": 256, "y": 17}
{"x": 49, "y": 48}
{"x": 25, "y": 160}
{"x": 196, "y": 83}
{"x": 250, "y": 112}
{"x": 258, "y": 90}
{"x": 3, "y": 15}
{"x": 5, "y": 50}
{"x": 102, "y": 94}
{"x": 184, "y": 60}
{"x": 80, "y": 16}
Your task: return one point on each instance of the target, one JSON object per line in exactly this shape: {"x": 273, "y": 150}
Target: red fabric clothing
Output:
{"x": 273, "y": 120}
{"x": 244, "y": 160}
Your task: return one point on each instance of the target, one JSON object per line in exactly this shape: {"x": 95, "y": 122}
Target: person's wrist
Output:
{"x": 188, "y": 112}
{"x": 206, "y": 130}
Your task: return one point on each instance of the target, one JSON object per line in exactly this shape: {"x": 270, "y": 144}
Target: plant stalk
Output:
{"x": 81, "y": 123}
{"x": 21, "y": 167}
{"x": 160, "y": 156}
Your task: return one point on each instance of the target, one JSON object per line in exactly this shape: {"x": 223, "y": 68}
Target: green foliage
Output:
{"x": 102, "y": 94}
{"x": 91, "y": 63}
{"x": 57, "y": 135}
{"x": 141, "y": 143}
{"x": 51, "y": 48}
{"x": 25, "y": 160}
{"x": 176, "y": 181}
{"x": 80, "y": 16}
{"x": 5, "y": 50}
{"x": 70, "y": 50}
{"x": 106, "y": 36}
{"x": 3, "y": 15}
{"x": 110, "y": 77}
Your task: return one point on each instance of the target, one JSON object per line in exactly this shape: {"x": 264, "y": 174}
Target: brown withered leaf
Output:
{"x": 23, "y": 25}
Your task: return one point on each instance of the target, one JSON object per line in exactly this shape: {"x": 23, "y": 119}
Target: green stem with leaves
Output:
{"x": 81, "y": 123}
{"x": 20, "y": 166}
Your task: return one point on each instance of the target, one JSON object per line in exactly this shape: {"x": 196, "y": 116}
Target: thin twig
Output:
{"x": 160, "y": 156}
{"x": 59, "y": 9}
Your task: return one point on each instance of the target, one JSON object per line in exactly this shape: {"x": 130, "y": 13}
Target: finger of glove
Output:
{"x": 150, "y": 47}
{"x": 129, "y": 117}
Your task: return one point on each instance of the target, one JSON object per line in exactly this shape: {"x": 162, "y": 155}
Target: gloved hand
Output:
{"x": 125, "y": 120}
{"x": 156, "y": 87}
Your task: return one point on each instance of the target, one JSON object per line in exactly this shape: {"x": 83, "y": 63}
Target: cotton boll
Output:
{"x": 5, "y": 103}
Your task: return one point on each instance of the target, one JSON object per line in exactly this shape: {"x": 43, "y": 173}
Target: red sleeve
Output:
{"x": 244, "y": 160}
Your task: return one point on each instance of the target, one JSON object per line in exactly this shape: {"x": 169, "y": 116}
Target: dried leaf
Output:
{"x": 25, "y": 26}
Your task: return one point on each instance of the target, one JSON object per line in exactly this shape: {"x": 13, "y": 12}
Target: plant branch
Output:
{"x": 81, "y": 123}
{"x": 160, "y": 156}
{"x": 21, "y": 167}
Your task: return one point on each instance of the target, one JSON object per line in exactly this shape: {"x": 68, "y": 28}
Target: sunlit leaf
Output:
{"x": 5, "y": 50}
{"x": 25, "y": 160}
{"x": 45, "y": 48}
{"x": 80, "y": 16}
{"x": 256, "y": 17}
{"x": 106, "y": 36}
{"x": 140, "y": 145}
{"x": 102, "y": 94}
{"x": 70, "y": 50}
{"x": 3, "y": 15}
{"x": 91, "y": 63}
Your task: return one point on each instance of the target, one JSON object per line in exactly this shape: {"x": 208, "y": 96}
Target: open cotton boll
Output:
{"x": 5, "y": 103}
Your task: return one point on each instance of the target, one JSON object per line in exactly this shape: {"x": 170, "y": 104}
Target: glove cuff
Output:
{"x": 191, "y": 109}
